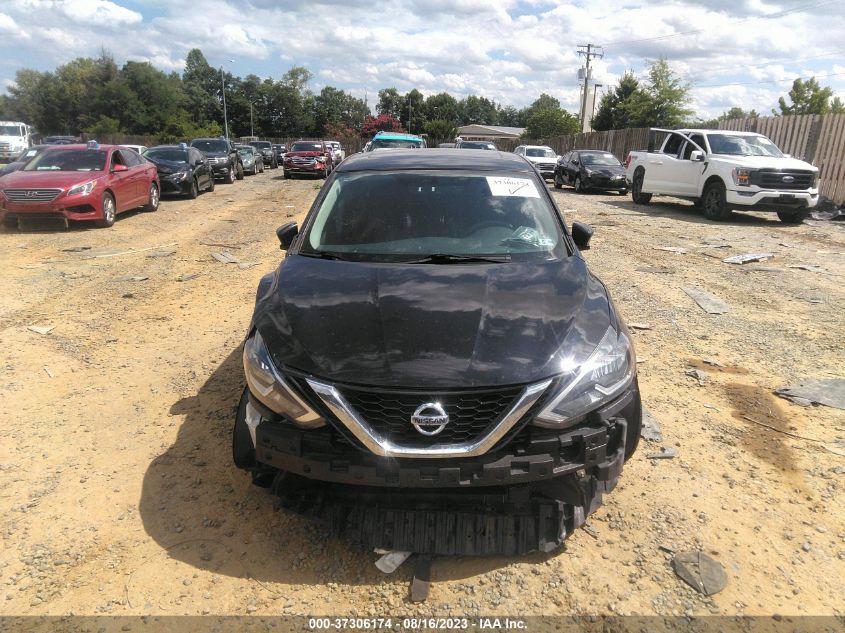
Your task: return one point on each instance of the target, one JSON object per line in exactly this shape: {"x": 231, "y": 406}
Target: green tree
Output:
{"x": 202, "y": 88}
{"x": 442, "y": 107}
{"x": 613, "y": 108}
{"x": 550, "y": 122}
{"x": 390, "y": 102}
{"x": 511, "y": 117}
{"x": 412, "y": 114}
{"x": 441, "y": 130}
{"x": 662, "y": 102}
{"x": 477, "y": 110}
{"x": 807, "y": 97}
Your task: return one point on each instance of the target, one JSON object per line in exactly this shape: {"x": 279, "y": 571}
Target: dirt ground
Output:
{"x": 119, "y": 496}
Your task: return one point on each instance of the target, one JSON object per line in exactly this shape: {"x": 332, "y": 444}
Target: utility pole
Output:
{"x": 589, "y": 51}
{"x": 223, "y": 90}
{"x": 251, "y": 127}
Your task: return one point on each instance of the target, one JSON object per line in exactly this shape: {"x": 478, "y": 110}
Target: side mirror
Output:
{"x": 696, "y": 155}
{"x": 286, "y": 234}
{"x": 118, "y": 168}
{"x": 574, "y": 161}
{"x": 581, "y": 234}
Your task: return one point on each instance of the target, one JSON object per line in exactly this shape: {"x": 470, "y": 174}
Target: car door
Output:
{"x": 137, "y": 175}
{"x": 202, "y": 170}
{"x": 573, "y": 167}
{"x": 681, "y": 173}
{"x": 660, "y": 170}
{"x": 120, "y": 182}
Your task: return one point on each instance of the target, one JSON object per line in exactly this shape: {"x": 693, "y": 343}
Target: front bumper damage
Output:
{"x": 528, "y": 493}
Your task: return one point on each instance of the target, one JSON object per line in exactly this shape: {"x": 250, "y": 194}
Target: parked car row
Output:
{"x": 94, "y": 182}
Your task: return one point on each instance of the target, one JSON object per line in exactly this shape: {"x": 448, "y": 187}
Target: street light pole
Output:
{"x": 251, "y": 129}
{"x": 223, "y": 86}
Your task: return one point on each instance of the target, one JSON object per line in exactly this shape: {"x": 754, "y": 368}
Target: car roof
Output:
{"x": 170, "y": 146}
{"x": 397, "y": 136}
{"x": 417, "y": 159}
{"x": 537, "y": 147}
{"x": 69, "y": 146}
{"x": 711, "y": 131}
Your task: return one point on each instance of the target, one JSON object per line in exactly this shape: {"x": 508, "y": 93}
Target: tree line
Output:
{"x": 96, "y": 96}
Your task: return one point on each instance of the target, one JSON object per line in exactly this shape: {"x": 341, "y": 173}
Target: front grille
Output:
{"x": 298, "y": 160}
{"x": 471, "y": 413}
{"x": 774, "y": 178}
{"x": 32, "y": 195}
{"x": 5, "y": 147}
{"x": 545, "y": 165}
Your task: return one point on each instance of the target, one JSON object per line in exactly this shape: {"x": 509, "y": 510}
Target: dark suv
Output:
{"x": 433, "y": 368}
{"x": 266, "y": 149}
{"x": 223, "y": 158}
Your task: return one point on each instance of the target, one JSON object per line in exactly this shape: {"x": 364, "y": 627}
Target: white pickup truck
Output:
{"x": 722, "y": 170}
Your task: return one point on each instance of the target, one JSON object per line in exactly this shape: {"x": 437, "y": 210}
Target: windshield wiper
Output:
{"x": 445, "y": 258}
{"x": 322, "y": 255}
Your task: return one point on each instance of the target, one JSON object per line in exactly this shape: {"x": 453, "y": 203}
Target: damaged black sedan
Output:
{"x": 433, "y": 368}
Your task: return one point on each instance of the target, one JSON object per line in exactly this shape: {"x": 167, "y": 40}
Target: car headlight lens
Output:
{"x": 599, "y": 379}
{"x": 742, "y": 177}
{"x": 82, "y": 190}
{"x": 181, "y": 176}
{"x": 268, "y": 386}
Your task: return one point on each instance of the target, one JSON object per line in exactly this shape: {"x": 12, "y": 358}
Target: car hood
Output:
{"x": 542, "y": 159}
{"x": 605, "y": 170}
{"x": 309, "y": 154}
{"x": 48, "y": 179}
{"x": 216, "y": 154}
{"x": 430, "y": 326}
{"x": 168, "y": 166}
{"x": 764, "y": 162}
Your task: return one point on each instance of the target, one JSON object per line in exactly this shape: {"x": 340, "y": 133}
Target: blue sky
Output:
{"x": 734, "y": 52}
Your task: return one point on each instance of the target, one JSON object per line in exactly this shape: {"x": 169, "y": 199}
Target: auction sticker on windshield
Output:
{"x": 512, "y": 187}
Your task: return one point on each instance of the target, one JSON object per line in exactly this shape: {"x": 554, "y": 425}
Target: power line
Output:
{"x": 768, "y": 81}
{"x": 769, "y": 63}
{"x": 769, "y": 16}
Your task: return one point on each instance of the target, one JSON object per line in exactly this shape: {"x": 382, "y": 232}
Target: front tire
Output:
{"x": 210, "y": 184}
{"x": 579, "y": 188}
{"x": 230, "y": 176}
{"x": 714, "y": 203}
{"x": 637, "y": 191}
{"x": 239, "y": 172}
{"x": 195, "y": 190}
{"x": 793, "y": 217}
{"x": 558, "y": 181}
{"x": 154, "y": 199}
{"x": 109, "y": 211}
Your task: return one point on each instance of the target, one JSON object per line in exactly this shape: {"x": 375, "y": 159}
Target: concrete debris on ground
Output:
{"x": 672, "y": 249}
{"x": 40, "y": 329}
{"x": 707, "y": 302}
{"x": 809, "y": 267}
{"x": 131, "y": 278}
{"x": 639, "y": 326}
{"x": 667, "y": 452}
{"x": 188, "y": 277}
{"x": 713, "y": 362}
{"x": 161, "y": 253}
{"x": 700, "y": 376}
{"x": 76, "y": 249}
{"x": 391, "y": 560}
{"x": 700, "y": 571}
{"x": 748, "y": 257}
{"x": 225, "y": 258}
{"x": 650, "y": 429}
{"x": 829, "y": 392}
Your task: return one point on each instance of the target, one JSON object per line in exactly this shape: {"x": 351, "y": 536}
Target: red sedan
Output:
{"x": 80, "y": 182}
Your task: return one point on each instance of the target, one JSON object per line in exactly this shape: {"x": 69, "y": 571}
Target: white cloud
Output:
{"x": 507, "y": 50}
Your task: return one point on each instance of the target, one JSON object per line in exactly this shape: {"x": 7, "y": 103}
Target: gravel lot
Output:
{"x": 119, "y": 495}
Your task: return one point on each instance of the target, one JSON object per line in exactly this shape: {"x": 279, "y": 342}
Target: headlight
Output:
{"x": 180, "y": 176}
{"x": 321, "y": 159}
{"x": 266, "y": 384}
{"x": 83, "y": 189}
{"x": 599, "y": 379}
{"x": 742, "y": 177}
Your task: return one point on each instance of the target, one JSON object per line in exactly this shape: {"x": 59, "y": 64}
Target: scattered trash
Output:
{"x": 220, "y": 245}
{"x": 188, "y": 277}
{"x": 127, "y": 295}
{"x": 390, "y": 562}
{"x": 225, "y": 258}
{"x": 421, "y": 583}
{"x": 639, "y": 326}
{"x": 700, "y": 376}
{"x": 131, "y": 278}
{"x": 829, "y": 392}
{"x": 161, "y": 254}
{"x": 289, "y": 206}
{"x": 245, "y": 265}
{"x": 667, "y": 452}
{"x": 834, "y": 214}
{"x": 650, "y": 429}
{"x": 714, "y": 245}
{"x": 700, "y": 572}
{"x": 76, "y": 249}
{"x": 48, "y": 372}
{"x": 132, "y": 252}
{"x": 40, "y": 329}
{"x": 748, "y": 257}
{"x": 713, "y": 362}
{"x": 785, "y": 245}
{"x": 707, "y": 302}
{"x": 810, "y": 267}
{"x": 672, "y": 249}
{"x": 710, "y": 406}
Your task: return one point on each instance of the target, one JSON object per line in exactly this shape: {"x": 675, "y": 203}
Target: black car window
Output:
{"x": 171, "y": 154}
{"x": 394, "y": 216}
{"x": 116, "y": 159}
{"x": 673, "y": 145}
{"x": 589, "y": 158}
{"x": 194, "y": 156}
{"x": 689, "y": 148}
{"x": 307, "y": 147}
{"x": 69, "y": 160}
